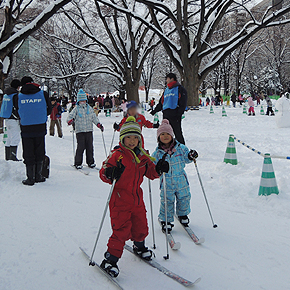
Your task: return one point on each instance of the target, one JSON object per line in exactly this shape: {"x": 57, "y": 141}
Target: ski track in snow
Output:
{"x": 43, "y": 226}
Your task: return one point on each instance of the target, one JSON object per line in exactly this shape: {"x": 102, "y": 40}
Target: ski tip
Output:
{"x": 176, "y": 246}
{"x": 201, "y": 241}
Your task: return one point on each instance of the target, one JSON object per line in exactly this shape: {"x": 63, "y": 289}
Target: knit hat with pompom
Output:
{"x": 165, "y": 127}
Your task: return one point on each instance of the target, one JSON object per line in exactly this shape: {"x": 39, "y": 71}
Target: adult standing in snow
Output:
{"x": 108, "y": 105}
{"x": 9, "y": 111}
{"x": 173, "y": 103}
{"x": 55, "y": 118}
{"x": 234, "y": 99}
{"x": 34, "y": 107}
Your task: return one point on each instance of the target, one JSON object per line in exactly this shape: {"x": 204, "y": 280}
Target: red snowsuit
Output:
{"x": 127, "y": 208}
{"x": 140, "y": 119}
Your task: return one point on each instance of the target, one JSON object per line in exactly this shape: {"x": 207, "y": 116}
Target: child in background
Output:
{"x": 55, "y": 117}
{"x": 83, "y": 117}
{"x": 251, "y": 106}
{"x": 128, "y": 164}
{"x": 177, "y": 186}
{"x": 270, "y": 106}
{"x": 132, "y": 110}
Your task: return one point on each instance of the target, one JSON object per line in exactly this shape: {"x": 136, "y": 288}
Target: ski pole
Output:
{"x": 102, "y": 222}
{"x": 165, "y": 208}
{"x": 112, "y": 141}
{"x": 104, "y": 144}
{"x": 151, "y": 208}
{"x": 214, "y": 225}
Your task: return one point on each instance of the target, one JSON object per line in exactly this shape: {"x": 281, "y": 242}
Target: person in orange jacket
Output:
{"x": 128, "y": 164}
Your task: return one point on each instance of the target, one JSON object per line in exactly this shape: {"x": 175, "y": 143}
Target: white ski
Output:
{"x": 81, "y": 170}
{"x": 173, "y": 245}
{"x": 113, "y": 280}
{"x": 192, "y": 235}
{"x": 164, "y": 270}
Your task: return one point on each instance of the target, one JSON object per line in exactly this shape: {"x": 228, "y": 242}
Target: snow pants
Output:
{"x": 251, "y": 110}
{"x": 56, "y": 123}
{"x": 127, "y": 223}
{"x": 179, "y": 191}
{"x": 270, "y": 110}
{"x": 85, "y": 142}
{"x": 13, "y": 132}
{"x": 33, "y": 150}
{"x": 176, "y": 126}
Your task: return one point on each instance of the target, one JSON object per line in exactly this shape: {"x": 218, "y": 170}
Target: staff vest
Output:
{"x": 7, "y": 106}
{"x": 170, "y": 98}
{"x": 32, "y": 109}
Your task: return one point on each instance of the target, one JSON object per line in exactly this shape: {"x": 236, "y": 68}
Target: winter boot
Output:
{"x": 169, "y": 227}
{"x": 110, "y": 265}
{"x": 7, "y": 153}
{"x": 93, "y": 165}
{"x": 30, "y": 172}
{"x": 142, "y": 251}
{"x": 13, "y": 153}
{"x": 184, "y": 220}
{"x": 254, "y": 114}
{"x": 38, "y": 172}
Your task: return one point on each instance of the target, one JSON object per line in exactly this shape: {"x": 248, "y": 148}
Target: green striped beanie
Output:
{"x": 129, "y": 128}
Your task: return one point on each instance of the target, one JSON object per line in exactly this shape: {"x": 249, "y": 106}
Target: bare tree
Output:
{"x": 194, "y": 52}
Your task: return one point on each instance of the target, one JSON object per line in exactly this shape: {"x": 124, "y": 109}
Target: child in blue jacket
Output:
{"x": 177, "y": 186}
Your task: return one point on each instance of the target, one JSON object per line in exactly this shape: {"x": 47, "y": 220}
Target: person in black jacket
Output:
{"x": 173, "y": 103}
{"x": 108, "y": 104}
{"x": 33, "y": 107}
{"x": 9, "y": 111}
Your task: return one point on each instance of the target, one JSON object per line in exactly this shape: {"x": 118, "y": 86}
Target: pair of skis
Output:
{"x": 85, "y": 172}
{"x": 176, "y": 245}
{"x": 153, "y": 264}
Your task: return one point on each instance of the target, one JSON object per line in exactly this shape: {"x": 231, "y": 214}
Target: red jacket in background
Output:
{"x": 140, "y": 119}
{"x": 56, "y": 112}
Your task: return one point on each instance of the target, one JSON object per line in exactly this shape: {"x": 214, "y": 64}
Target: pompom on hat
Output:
{"x": 165, "y": 127}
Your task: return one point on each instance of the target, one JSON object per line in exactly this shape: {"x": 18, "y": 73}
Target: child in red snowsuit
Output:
{"x": 132, "y": 110}
{"x": 128, "y": 164}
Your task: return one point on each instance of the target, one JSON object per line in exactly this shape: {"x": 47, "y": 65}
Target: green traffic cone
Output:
{"x": 156, "y": 119}
{"x": 268, "y": 183}
{"x": 143, "y": 111}
{"x": 211, "y": 110}
{"x": 108, "y": 113}
{"x": 244, "y": 110}
{"x": 262, "y": 112}
{"x": 231, "y": 153}
{"x": 5, "y": 136}
{"x": 224, "y": 113}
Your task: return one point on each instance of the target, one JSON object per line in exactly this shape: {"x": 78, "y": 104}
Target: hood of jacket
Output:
{"x": 30, "y": 89}
{"x": 10, "y": 91}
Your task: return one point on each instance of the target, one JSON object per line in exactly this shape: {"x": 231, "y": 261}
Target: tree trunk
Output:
{"x": 191, "y": 82}
{"x": 147, "y": 94}
{"x": 2, "y": 86}
{"x": 132, "y": 90}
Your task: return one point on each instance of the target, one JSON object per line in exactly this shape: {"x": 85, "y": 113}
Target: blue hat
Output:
{"x": 131, "y": 104}
{"x": 81, "y": 96}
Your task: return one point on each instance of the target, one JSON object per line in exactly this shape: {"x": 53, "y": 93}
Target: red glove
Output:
{"x": 70, "y": 122}
{"x": 101, "y": 127}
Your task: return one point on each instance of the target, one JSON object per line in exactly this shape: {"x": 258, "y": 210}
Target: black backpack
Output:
{"x": 45, "y": 167}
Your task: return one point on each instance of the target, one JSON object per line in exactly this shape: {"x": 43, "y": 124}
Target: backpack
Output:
{"x": 46, "y": 166}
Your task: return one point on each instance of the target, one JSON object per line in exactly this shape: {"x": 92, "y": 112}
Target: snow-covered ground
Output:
{"x": 43, "y": 226}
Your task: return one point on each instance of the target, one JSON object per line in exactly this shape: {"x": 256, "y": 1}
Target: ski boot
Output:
{"x": 142, "y": 251}
{"x": 169, "y": 227}
{"x": 109, "y": 265}
{"x": 78, "y": 167}
{"x": 184, "y": 220}
{"x": 93, "y": 165}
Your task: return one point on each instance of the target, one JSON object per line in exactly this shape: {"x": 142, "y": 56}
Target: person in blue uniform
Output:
{"x": 9, "y": 112}
{"x": 173, "y": 104}
{"x": 33, "y": 108}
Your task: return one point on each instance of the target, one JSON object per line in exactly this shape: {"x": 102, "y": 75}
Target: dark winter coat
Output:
{"x": 14, "y": 114}
{"x": 234, "y": 98}
{"x": 108, "y": 103}
{"x": 56, "y": 112}
{"x": 182, "y": 103}
{"x": 38, "y": 130}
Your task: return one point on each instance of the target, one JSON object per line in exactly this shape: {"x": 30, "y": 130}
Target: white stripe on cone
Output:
{"x": 268, "y": 168}
{"x": 230, "y": 156}
{"x": 268, "y": 182}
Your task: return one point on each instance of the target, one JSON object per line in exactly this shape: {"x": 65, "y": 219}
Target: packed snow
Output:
{"x": 42, "y": 227}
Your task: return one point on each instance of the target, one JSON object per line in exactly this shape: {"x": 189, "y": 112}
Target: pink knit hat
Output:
{"x": 165, "y": 127}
